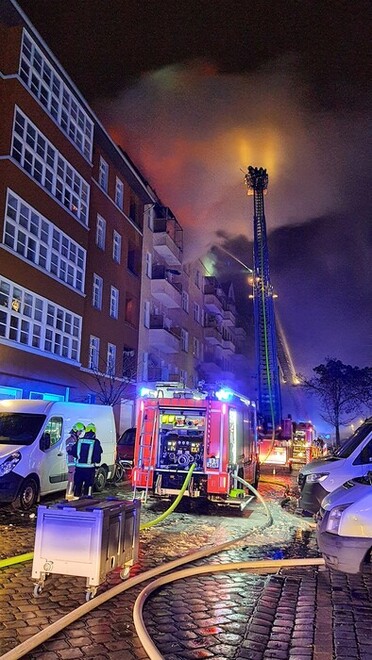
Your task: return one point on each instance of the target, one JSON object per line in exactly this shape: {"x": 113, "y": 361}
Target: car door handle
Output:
{"x": 60, "y": 453}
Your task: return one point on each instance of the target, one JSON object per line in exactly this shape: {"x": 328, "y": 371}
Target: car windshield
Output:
{"x": 19, "y": 428}
{"x": 127, "y": 438}
{"x": 354, "y": 441}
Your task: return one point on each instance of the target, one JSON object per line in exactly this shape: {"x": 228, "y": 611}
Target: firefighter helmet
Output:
{"x": 90, "y": 428}
{"x": 79, "y": 427}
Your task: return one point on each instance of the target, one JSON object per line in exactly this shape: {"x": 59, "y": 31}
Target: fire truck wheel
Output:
{"x": 256, "y": 478}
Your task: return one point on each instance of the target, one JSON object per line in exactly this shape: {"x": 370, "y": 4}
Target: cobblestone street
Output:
{"x": 297, "y": 613}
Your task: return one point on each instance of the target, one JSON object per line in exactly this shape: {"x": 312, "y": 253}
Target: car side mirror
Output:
{"x": 45, "y": 441}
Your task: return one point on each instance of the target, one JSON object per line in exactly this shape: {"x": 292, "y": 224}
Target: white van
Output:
{"x": 324, "y": 475}
{"x": 344, "y": 529}
{"x": 33, "y": 446}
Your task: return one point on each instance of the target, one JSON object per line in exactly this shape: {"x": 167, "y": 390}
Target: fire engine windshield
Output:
{"x": 19, "y": 428}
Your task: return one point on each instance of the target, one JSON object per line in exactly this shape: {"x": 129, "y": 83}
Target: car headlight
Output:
{"x": 315, "y": 477}
{"x": 334, "y": 518}
{"x": 10, "y": 462}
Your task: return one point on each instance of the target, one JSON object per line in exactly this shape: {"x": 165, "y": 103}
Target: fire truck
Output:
{"x": 215, "y": 430}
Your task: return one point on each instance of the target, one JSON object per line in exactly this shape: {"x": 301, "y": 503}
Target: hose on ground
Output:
{"x": 172, "y": 507}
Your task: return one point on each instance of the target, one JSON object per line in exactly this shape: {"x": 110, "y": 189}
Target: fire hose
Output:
{"x": 51, "y": 630}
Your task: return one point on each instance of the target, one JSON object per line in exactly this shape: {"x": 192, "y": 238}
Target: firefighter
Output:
{"x": 87, "y": 451}
{"x": 74, "y": 436}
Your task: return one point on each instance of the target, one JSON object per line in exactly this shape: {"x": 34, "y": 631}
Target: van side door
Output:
{"x": 53, "y": 469}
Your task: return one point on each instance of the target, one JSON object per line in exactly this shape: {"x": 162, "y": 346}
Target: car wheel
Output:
{"x": 27, "y": 496}
{"x": 100, "y": 479}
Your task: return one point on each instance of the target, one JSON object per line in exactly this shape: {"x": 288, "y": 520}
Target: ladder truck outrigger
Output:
{"x": 216, "y": 430}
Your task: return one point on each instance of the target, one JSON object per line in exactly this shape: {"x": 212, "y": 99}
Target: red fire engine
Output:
{"x": 216, "y": 430}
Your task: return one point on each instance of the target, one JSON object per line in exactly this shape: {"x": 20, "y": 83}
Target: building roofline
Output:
{"x": 88, "y": 108}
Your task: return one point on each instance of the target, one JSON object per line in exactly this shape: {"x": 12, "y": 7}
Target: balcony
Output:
{"x": 162, "y": 335}
{"x": 229, "y": 317}
{"x": 168, "y": 240}
{"x": 212, "y": 335}
{"x": 164, "y": 288}
{"x": 228, "y": 345}
{"x": 212, "y": 303}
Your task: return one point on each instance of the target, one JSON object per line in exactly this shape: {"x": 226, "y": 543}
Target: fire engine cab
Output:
{"x": 215, "y": 430}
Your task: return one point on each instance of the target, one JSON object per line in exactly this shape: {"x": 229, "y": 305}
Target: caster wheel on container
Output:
{"x": 89, "y": 595}
{"x": 124, "y": 573}
{"x": 38, "y": 589}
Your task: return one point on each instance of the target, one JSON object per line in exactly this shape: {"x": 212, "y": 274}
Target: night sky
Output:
{"x": 197, "y": 91}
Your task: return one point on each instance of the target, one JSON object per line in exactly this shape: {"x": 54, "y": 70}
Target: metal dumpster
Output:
{"x": 87, "y": 538}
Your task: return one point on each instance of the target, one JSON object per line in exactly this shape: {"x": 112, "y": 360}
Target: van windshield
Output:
{"x": 354, "y": 441}
{"x": 19, "y": 428}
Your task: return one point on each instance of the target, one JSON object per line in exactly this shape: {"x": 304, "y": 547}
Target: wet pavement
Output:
{"x": 295, "y": 613}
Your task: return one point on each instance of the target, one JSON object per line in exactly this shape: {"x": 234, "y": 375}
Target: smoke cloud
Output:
{"x": 193, "y": 131}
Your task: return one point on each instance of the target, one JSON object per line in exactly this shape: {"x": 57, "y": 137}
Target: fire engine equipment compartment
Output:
{"x": 217, "y": 431}
{"x": 86, "y": 538}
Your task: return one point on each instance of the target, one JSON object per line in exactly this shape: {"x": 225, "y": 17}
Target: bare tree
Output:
{"x": 110, "y": 388}
{"x": 343, "y": 391}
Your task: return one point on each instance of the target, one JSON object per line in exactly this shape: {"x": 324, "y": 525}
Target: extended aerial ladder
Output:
{"x": 269, "y": 394}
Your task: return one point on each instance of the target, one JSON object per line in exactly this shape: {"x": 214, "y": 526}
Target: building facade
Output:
{"x": 71, "y": 225}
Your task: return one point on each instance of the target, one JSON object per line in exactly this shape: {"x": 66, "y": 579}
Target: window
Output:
{"x": 10, "y": 393}
{"x": 52, "y": 432}
{"x": 114, "y": 302}
{"x": 185, "y": 301}
{"x": 46, "y": 165}
{"x": 37, "y": 323}
{"x": 38, "y": 240}
{"x": 184, "y": 340}
{"x": 197, "y": 279}
{"x": 196, "y": 312}
{"x": 196, "y": 347}
{"x": 129, "y": 362}
{"x": 119, "y": 193}
{"x": 116, "y": 247}
{"x": 130, "y": 310}
{"x": 44, "y": 396}
{"x": 41, "y": 78}
{"x": 93, "y": 352}
{"x": 146, "y": 314}
{"x": 101, "y": 232}
{"x": 103, "y": 174}
{"x": 97, "y": 291}
{"x": 148, "y": 264}
{"x": 111, "y": 359}
{"x": 134, "y": 260}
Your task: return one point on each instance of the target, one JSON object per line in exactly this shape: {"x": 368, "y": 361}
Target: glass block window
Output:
{"x": 119, "y": 193}
{"x": 114, "y": 302}
{"x": 44, "y": 163}
{"x": 116, "y": 247}
{"x": 94, "y": 352}
{"x": 36, "y": 322}
{"x": 103, "y": 174}
{"x": 101, "y": 232}
{"x": 97, "y": 291}
{"x": 36, "y": 239}
{"x": 44, "y": 82}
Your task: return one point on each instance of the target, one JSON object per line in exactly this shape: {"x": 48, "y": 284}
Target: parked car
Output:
{"x": 320, "y": 477}
{"x": 344, "y": 527}
{"x": 125, "y": 447}
{"x": 33, "y": 446}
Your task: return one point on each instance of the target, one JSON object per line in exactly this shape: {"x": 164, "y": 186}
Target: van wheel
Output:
{"x": 256, "y": 478}
{"x": 27, "y": 496}
{"x": 100, "y": 480}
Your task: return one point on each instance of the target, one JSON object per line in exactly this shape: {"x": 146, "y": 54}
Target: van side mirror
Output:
{"x": 45, "y": 441}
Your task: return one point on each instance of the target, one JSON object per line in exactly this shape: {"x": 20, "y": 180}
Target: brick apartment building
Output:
{"x": 71, "y": 223}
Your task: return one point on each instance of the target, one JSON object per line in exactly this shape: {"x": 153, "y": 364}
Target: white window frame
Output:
{"x": 146, "y": 314}
{"x": 94, "y": 344}
{"x": 111, "y": 359}
{"x": 119, "y": 193}
{"x": 46, "y": 165}
{"x": 185, "y": 301}
{"x": 196, "y": 347}
{"x": 114, "y": 302}
{"x": 61, "y": 104}
{"x": 10, "y": 393}
{"x": 184, "y": 340}
{"x": 31, "y": 236}
{"x": 149, "y": 264}
{"x": 100, "y": 232}
{"x": 97, "y": 292}
{"x": 116, "y": 246}
{"x": 103, "y": 174}
{"x": 196, "y": 312}
{"x": 37, "y": 323}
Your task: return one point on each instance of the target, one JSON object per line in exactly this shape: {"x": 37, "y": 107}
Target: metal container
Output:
{"x": 86, "y": 538}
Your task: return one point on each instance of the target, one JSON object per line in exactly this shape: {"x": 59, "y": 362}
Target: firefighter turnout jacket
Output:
{"x": 87, "y": 451}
